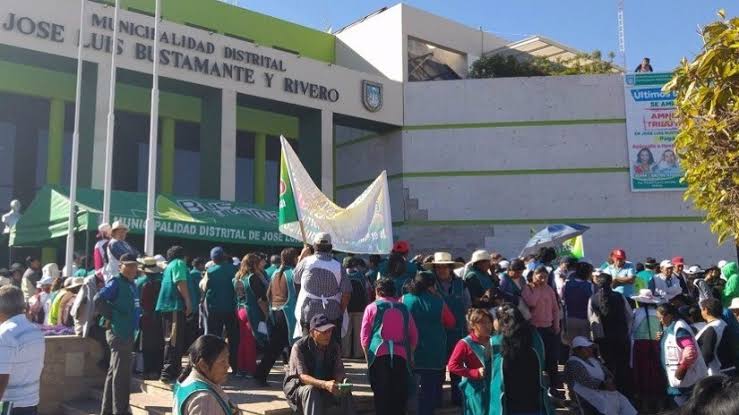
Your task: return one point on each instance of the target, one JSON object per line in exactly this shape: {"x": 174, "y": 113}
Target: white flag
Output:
{"x": 364, "y": 227}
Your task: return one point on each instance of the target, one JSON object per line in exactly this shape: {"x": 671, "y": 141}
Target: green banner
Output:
{"x": 287, "y": 211}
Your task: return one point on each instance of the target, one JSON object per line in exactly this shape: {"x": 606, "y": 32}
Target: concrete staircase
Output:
{"x": 412, "y": 210}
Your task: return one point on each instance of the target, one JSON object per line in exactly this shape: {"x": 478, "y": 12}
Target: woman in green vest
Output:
{"x": 517, "y": 387}
{"x": 471, "y": 360}
{"x": 432, "y": 318}
{"x": 198, "y": 389}
{"x": 251, "y": 294}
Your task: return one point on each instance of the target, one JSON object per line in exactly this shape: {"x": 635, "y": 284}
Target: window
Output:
{"x": 187, "y": 159}
{"x": 428, "y": 62}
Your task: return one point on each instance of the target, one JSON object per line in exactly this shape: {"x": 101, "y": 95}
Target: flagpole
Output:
{"x": 110, "y": 132}
{"x": 153, "y": 134}
{"x": 69, "y": 253}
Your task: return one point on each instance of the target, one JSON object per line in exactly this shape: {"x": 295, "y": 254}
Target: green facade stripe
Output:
{"x": 503, "y": 124}
{"x": 246, "y": 24}
{"x": 479, "y": 173}
{"x": 136, "y": 99}
{"x": 269, "y": 123}
{"x": 532, "y": 221}
{"x": 36, "y": 82}
{"x": 260, "y": 167}
{"x": 167, "y": 155}
{"x": 55, "y": 148}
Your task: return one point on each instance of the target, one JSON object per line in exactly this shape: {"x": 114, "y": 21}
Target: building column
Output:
{"x": 260, "y": 167}
{"x": 102, "y": 95}
{"x": 228, "y": 145}
{"x": 167, "y": 152}
{"x": 327, "y": 153}
{"x": 210, "y": 143}
{"x": 55, "y": 155}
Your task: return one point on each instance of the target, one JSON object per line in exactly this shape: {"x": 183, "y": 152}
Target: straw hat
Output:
{"x": 75, "y": 282}
{"x": 442, "y": 258}
{"x": 480, "y": 255}
{"x": 118, "y": 225}
{"x": 149, "y": 265}
{"x": 647, "y": 297}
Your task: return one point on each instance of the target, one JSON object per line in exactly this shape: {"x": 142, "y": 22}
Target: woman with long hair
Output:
{"x": 517, "y": 363}
{"x": 610, "y": 322}
{"x": 432, "y": 318}
{"x": 681, "y": 357}
{"x": 198, "y": 389}
{"x": 251, "y": 296}
{"x": 644, "y": 162}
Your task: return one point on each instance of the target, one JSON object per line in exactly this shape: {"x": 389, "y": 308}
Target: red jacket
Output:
{"x": 464, "y": 362}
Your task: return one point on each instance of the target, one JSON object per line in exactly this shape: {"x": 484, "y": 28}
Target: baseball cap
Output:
{"x": 216, "y": 253}
{"x": 17, "y": 267}
{"x": 618, "y": 253}
{"x": 118, "y": 225}
{"x": 580, "y": 341}
{"x": 128, "y": 259}
{"x": 666, "y": 264}
{"x": 320, "y": 322}
{"x": 322, "y": 238}
{"x": 503, "y": 265}
{"x": 695, "y": 269}
{"x": 401, "y": 247}
{"x": 678, "y": 260}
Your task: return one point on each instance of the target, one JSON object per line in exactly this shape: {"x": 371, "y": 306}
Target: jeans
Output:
{"x": 430, "y": 393}
{"x": 117, "y": 389}
{"x": 173, "y": 326}
{"x": 217, "y": 321}
{"x": 389, "y": 381}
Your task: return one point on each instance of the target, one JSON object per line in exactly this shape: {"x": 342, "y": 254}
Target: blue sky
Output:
{"x": 664, "y": 30}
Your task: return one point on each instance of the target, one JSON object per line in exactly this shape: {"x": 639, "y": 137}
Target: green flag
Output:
{"x": 288, "y": 212}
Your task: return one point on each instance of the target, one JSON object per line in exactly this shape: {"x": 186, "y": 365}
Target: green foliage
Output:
{"x": 708, "y": 116}
{"x": 506, "y": 66}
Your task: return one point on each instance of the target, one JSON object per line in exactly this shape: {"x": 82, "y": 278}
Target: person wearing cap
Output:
{"x": 274, "y": 265}
{"x": 649, "y": 382}
{"x": 37, "y": 304}
{"x": 398, "y": 267}
{"x": 679, "y": 271}
{"x": 324, "y": 287}
{"x": 281, "y": 296}
{"x": 434, "y": 320}
{"x": 665, "y": 284}
{"x": 575, "y": 296}
{"x": 478, "y": 279}
{"x": 100, "y": 250}
{"x": 622, "y": 272}
{"x": 22, "y": 349}
{"x": 389, "y": 337}
{"x": 715, "y": 340}
{"x": 68, "y": 292}
{"x": 118, "y": 303}
{"x": 593, "y": 382}
{"x": 457, "y": 298}
{"x": 174, "y": 305}
{"x": 681, "y": 359}
{"x": 731, "y": 289}
{"x": 315, "y": 371}
{"x": 31, "y": 276}
{"x": 67, "y": 303}
{"x": 116, "y": 247}
{"x": 151, "y": 337}
{"x": 511, "y": 285}
{"x": 220, "y": 302}
{"x": 351, "y": 346}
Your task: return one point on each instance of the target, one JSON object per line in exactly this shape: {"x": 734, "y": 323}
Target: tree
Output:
{"x": 505, "y": 66}
{"x": 707, "y": 112}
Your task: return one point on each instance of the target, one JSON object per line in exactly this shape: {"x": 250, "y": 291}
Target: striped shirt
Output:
{"x": 22, "y": 357}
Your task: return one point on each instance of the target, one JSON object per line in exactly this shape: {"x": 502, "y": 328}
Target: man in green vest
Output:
{"x": 274, "y": 265}
{"x": 118, "y": 303}
{"x": 457, "y": 298}
{"x": 174, "y": 304}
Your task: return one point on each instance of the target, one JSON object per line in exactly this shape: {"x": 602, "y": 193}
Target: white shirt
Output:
{"x": 22, "y": 357}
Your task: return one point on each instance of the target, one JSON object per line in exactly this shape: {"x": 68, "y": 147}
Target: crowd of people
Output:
{"x": 633, "y": 338}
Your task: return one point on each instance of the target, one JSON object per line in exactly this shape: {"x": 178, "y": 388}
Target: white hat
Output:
{"x": 666, "y": 264}
{"x": 51, "y": 270}
{"x": 504, "y": 265}
{"x": 322, "y": 238}
{"x": 45, "y": 280}
{"x": 734, "y": 304}
{"x": 236, "y": 261}
{"x": 71, "y": 283}
{"x": 118, "y": 225}
{"x": 580, "y": 341}
{"x": 442, "y": 258}
{"x": 721, "y": 263}
{"x": 646, "y": 296}
{"x": 480, "y": 255}
{"x": 104, "y": 227}
{"x": 695, "y": 269}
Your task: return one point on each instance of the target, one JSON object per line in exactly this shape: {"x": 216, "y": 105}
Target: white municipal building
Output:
{"x": 471, "y": 163}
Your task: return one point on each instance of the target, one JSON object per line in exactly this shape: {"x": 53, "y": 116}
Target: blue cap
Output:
{"x": 216, "y": 253}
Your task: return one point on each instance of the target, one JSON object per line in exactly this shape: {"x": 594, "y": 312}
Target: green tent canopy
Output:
{"x": 175, "y": 216}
